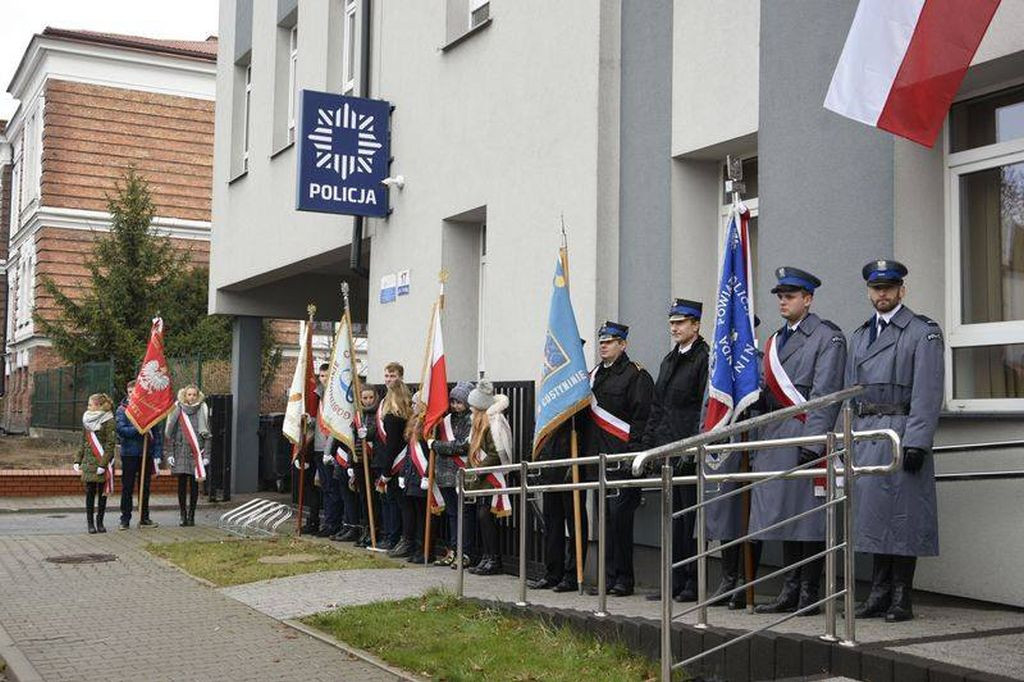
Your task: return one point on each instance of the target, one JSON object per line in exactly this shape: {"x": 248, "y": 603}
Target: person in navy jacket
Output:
{"x": 131, "y": 460}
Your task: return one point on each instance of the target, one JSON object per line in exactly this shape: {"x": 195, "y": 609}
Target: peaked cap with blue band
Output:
{"x": 791, "y": 279}
{"x": 684, "y": 308}
{"x": 884, "y": 272}
{"x": 612, "y": 330}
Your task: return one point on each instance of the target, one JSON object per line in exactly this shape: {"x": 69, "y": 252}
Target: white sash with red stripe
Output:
{"x": 193, "y": 445}
{"x": 501, "y": 504}
{"x": 604, "y": 419}
{"x": 341, "y": 457}
{"x": 97, "y": 451}
{"x": 448, "y": 434}
{"x": 396, "y": 465}
{"x": 422, "y": 464}
{"x": 786, "y": 394}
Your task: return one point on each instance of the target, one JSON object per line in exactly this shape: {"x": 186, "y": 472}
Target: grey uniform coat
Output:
{"x": 814, "y": 357}
{"x": 175, "y": 438}
{"x": 896, "y": 514}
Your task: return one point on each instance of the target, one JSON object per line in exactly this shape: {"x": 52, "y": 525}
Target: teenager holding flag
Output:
{"x": 451, "y": 448}
{"x": 187, "y": 433}
{"x": 95, "y": 459}
{"x": 490, "y": 444}
{"x": 392, "y": 413}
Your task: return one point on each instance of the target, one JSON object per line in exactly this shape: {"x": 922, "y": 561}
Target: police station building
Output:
{"x": 498, "y": 120}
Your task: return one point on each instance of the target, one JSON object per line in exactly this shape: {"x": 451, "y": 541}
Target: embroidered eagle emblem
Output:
{"x": 153, "y": 377}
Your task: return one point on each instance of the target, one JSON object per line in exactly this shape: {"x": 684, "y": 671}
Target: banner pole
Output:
{"x": 300, "y": 457}
{"x": 142, "y": 473}
{"x": 576, "y": 508}
{"x": 427, "y": 521}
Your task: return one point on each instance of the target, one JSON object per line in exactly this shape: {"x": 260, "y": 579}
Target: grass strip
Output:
{"x": 234, "y": 562}
{"x": 440, "y": 637}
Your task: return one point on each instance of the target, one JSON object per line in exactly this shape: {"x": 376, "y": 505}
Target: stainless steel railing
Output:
{"x": 701, "y": 445}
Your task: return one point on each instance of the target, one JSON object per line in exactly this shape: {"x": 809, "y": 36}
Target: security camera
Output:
{"x": 397, "y": 181}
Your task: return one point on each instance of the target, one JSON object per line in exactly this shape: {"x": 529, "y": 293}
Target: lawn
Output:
{"x": 234, "y": 562}
{"x": 443, "y": 638}
{"x": 22, "y": 452}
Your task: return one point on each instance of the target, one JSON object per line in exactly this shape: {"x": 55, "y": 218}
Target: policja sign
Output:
{"x": 344, "y": 154}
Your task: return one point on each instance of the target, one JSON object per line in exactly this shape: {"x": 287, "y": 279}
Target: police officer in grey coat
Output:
{"x": 897, "y": 357}
{"x": 805, "y": 359}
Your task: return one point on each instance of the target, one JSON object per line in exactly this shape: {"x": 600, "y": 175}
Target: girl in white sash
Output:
{"x": 188, "y": 433}
{"x": 96, "y": 457}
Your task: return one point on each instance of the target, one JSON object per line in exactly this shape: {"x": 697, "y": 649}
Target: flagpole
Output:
{"x": 311, "y": 309}
{"x": 359, "y": 392}
{"x": 142, "y": 473}
{"x": 577, "y": 503}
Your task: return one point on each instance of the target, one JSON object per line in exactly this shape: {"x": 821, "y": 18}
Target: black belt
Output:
{"x": 882, "y": 409}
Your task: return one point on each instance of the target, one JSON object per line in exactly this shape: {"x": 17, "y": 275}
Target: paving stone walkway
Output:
{"x": 138, "y": 618}
{"x": 968, "y": 634}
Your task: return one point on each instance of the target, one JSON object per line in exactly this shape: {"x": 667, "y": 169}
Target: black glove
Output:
{"x": 807, "y": 455}
{"x": 913, "y": 459}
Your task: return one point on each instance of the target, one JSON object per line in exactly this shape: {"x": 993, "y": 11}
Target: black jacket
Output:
{"x": 559, "y": 446}
{"x": 626, "y": 390}
{"x": 385, "y": 451}
{"x": 678, "y": 395}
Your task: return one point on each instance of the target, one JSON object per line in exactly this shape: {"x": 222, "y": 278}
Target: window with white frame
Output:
{"x": 15, "y": 195}
{"x": 479, "y": 12}
{"x": 293, "y": 80}
{"x": 749, "y": 198}
{"x": 246, "y": 133}
{"x": 482, "y": 303}
{"x": 985, "y": 251}
{"x": 31, "y": 156}
{"x": 348, "y": 65}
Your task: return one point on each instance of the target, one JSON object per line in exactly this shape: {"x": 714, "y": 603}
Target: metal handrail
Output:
{"x": 702, "y": 445}
{"x": 978, "y": 475}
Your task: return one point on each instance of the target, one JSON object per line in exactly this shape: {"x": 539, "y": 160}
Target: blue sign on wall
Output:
{"x": 344, "y": 148}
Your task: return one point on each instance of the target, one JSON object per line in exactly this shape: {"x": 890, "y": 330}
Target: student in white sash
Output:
{"x": 95, "y": 458}
{"x": 188, "y": 433}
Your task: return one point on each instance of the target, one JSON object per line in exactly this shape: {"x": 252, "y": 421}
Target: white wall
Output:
{"x": 714, "y": 72}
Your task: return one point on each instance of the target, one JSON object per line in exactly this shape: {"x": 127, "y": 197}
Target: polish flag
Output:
{"x": 903, "y": 63}
{"x": 434, "y": 387}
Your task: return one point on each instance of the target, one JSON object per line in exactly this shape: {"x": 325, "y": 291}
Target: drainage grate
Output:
{"x": 57, "y": 516}
{"x": 81, "y": 558}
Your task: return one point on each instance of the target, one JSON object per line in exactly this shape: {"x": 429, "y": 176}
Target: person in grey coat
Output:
{"x": 182, "y": 458}
{"x": 897, "y": 357}
{"x": 804, "y": 359}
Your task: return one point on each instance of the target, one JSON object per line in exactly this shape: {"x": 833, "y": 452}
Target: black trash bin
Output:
{"x": 274, "y": 472}
{"x": 218, "y": 478}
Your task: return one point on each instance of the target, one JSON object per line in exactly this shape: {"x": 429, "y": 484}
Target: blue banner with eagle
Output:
{"x": 564, "y": 385}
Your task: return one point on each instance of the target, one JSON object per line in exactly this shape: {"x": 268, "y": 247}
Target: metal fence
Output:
{"x": 60, "y": 395}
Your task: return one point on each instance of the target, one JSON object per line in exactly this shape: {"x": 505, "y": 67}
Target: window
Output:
{"x": 749, "y": 197}
{"x": 481, "y": 303}
{"x": 31, "y": 156}
{"x": 985, "y": 246}
{"x": 349, "y": 49}
{"x": 15, "y": 196}
{"x": 479, "y": 12}
{"x": 246, "y": 117}
{"x": 293, "y": 81}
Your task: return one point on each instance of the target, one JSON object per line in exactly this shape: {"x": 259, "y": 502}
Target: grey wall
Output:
{"x": 826, "y": 182}
{"x": 245, "y": 417}
{"x": 243, "y": 28}
{"x": 645, "y": 214}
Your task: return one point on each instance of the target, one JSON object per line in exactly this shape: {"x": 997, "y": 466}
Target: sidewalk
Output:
{"x": 969, "y": 634}
{"x": 137, "y": 618}
{"x": 68, "y": 504}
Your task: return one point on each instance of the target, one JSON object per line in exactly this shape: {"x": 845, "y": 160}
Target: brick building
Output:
{"x": 90, "y": 104}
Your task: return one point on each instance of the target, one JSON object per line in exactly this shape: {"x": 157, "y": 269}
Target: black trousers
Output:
{"x": 187, "y": 485}
{"x": 414, "y": 518}
{"x": 130, "y": 467}
{"x": 684, "y": 544}
{"x": 488, "y": 527}
{"x": 311, "y": 498}
{"x": 92, "y": 491}
{"x": 559, "y": 526}
{"x": 619, "y": 548}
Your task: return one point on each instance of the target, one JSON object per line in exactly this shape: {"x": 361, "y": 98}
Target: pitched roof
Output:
{"x": 198, "y": 49}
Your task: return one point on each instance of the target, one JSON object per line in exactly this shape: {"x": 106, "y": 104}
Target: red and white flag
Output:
{"x": 152, "y": 397}
{"x": 903, "y": 63}
{"x": 302, "y": 398}
{"x": 777, "y": 380}
{"x": 434, "y": 387}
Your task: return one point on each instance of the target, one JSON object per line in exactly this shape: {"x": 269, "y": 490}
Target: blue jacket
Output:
{"x": 131, "y": 439}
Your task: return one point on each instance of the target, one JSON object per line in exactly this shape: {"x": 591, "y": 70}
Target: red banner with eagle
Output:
{"x": 152, "y": 397}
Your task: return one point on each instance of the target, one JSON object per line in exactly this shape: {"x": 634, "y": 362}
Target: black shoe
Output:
{"x": 383, "y": 544}
{"x": 401, "y": 551}
{"x": 491, "y": 567}
{"x": 192, "y": 516}
{"x": 653, "y": 597}
{"x": 326, "y": 532}
{"x": 124, "y": 526}
{"x": 687, "y": 594}
{"x": 99, "y": 521}
{"x": 738, "y": 600}
{"x": 566, "y": 585}
{"x": 416, "y": 558}
{"x": 544, "y": 583}
{"x": 148, "y": 523}
{"x": 880, "y": 598}
{"x": 349, "y": 534}
{"x": 620, "y": 590}
{"x": 92, "y": 528}
{"x": 808, "y": 595}
{"x": 901, "y": 608}
{"x": 184, "y": 520}
{"x": 784, "y": 603}
{"x": 309, "y": 530}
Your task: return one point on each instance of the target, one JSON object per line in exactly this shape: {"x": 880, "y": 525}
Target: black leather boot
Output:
{"x": 89, "y": 511}
{"x": 789, "y": 597}
{"x": 900, "y": 609}
{"x": 731, "y": 562}
{"x": 101, "y": 510}
{"x": 184, "y": 517}
{"x": 880, "y": 597}
{"x": 810, "y": 579}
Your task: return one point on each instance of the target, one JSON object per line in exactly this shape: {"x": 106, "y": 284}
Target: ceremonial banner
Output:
{"x": 564, "y": 385}
{"x": 434, "y": 387}
{"x": 903, "y": 63}
{"x": 338, "y": 407}
{"x": 302, "y": 393}
{"x": 733, "y": 374}
{"x": 152, "y": 397}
